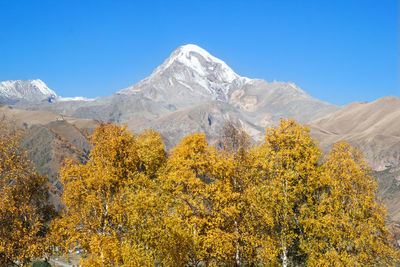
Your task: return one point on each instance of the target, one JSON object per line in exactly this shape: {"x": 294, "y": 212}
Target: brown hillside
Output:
{"x": 373, "y": 127}
{"x": 50, "y": 139}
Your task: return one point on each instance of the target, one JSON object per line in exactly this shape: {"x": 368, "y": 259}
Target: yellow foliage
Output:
{"x": 349, "y": 228}
{"x": 185, "y": 183}
{"x": 24, "y": 209}
{"x": 287, "y": 173}
{"x": 210, "y": 201}
{"x": 110, "y": 199}
{"x": 92, "y": 195}
{"x": 272, "y": 204}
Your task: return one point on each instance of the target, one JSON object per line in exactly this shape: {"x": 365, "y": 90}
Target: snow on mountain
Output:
{"x": 29, "y": 91}
{"x": 190, "y": 70}
{"x": 39, "y": 84}
{"x": 76, "y": 98}
{"x": 194, "y": 57}
{"x": 191, "y": 77}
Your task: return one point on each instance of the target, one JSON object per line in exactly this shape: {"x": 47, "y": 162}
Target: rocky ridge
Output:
{"x": 190, "y": 77}
{"x": 14, "y": 91}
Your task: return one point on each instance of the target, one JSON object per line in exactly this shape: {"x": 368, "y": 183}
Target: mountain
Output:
{"x": 188, "y": 77}
{"x": 51, "y": 138}
{"x": 389, "y": 190}
{"x": 36, "y": 90}
{"x": 207, "y": 117}
{"x": 191, "y": 77}
{"x": 373, "y": 127}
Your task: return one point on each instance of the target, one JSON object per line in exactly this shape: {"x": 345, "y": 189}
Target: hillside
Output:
{"x": 51, "y": 138}
{"x": 373, "y": 127}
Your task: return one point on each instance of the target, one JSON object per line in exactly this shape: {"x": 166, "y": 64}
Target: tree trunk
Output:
{"x": 284, "y": 253}
{"x": 237, "y": 258}
{"x": 284, "y": 258}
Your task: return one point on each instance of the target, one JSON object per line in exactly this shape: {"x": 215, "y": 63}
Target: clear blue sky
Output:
{"x": 338, "y": 51}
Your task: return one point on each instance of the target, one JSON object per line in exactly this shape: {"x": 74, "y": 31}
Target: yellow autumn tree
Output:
{"x": 317, "y": 213}
{"x": 91, "y": 196}
{"x": 210, "y": 216}
{"x": 230, "y": 238}
{"x": 143, "y": 205}
{"x": 185, "y": 183}
{"x": 286, "y": 167}
{"x": 273, "y": 204}
{"x": 24, "y": 208}
{"x": 350, "y": 228}
{"x": 111, "y": 203}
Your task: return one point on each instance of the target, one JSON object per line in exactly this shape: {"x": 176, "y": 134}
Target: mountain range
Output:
{"x": 188, "y": 78}
{"x": 193, "y": 91}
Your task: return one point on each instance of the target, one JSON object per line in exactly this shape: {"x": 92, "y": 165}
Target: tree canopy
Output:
{"x": 24, "y": 208}
{"x": 279, "y": 202}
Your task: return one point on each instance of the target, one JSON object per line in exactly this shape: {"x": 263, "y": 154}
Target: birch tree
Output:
{"x": 25, "y": 211}
{"x": 92, "y": 194}
{"x": 286, "y": 166}
{"x": 349, "y": 228}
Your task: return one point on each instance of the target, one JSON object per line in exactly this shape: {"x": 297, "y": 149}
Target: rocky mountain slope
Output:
{"x": 191, "y": 77}
{"x": 389, "y": 190}
{"x": 188, "y": 77}
{"x": 207, "y": 117}
{"x": 12, "y": 92}
{"x": 373, "y": 127}
{"x": 24, "y": 93}
{"x": 51, "y": 138}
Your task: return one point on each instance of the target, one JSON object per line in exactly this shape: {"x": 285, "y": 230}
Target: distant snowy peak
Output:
{"x": 30, "y": 91}
{"x": 202, "y": 62}
{"x": 193, "y": 71}
{"x": 76, "y": 98}
{"x": 42, "y": 87}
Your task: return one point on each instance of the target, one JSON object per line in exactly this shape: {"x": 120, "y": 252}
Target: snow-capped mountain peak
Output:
{"x": 30, "y": 91}
{"x": 189, "y": 73}
{"x": 199, "y": 60}
{"x": 39, "y": 84}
